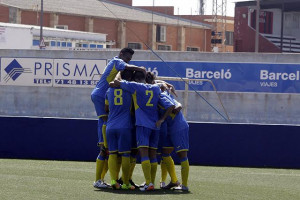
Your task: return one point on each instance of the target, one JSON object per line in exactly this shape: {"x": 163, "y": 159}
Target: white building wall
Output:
{"x": 15, "y": 38}
{"x": 292, "y": 24}
{"x": 276, "y": 21}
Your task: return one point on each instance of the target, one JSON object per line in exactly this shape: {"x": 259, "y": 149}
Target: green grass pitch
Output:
{"x": 36, "y": 179}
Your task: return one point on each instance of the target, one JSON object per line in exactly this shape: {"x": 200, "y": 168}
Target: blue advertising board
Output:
{"x": 230, "y": 77}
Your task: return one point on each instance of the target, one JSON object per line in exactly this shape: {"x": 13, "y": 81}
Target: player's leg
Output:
{"x": 153, "y": 145}
{"x": 180, "y": 140}
{"x": 112, "y": 138}
{"x": 142, "y": 137}
{"x": 133, "y": 154}
{"x": 124, "y": 146}
{"x": 100, "y": 161}
{"x": 163, "y": 167}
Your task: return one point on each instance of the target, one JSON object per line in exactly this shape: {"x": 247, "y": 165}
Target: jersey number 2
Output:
{"x": 150, "y": 98}
{"x": 118, "y": 100}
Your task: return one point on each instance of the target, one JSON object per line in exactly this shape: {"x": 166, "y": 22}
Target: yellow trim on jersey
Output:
{"x": 112, "y": 75}
{"x": 100, "y": 143}
{"x": 182, "y": 150}
{"x": 124, "y": 151}
{"x": 152, "y": 148}
{"x": 102, "y": 116}
{"x": 106, "y": 102}
{"x": 161, "y": 107}
{"x": 172, "y": 115}
{"x": 136, "y": 106}
{"x": 113, "y": 151}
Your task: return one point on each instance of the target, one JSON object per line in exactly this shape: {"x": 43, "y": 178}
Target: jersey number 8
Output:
{"x": 118, "y": 100}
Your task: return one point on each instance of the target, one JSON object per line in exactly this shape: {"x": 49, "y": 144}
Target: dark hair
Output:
{"x": 127, "y": 74}
{"x": 127, "y": 50}
{"x": 150, "y": 77}
{"x": 139, "y": 75}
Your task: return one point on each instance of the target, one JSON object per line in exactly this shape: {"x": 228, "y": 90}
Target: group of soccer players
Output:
{"x": 137, "y": 114}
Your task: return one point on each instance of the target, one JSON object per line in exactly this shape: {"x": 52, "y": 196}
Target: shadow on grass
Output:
{"x": 138, "y": 192}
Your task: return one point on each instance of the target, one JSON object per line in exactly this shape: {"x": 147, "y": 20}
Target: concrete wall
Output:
{"x": 75, "y": 102}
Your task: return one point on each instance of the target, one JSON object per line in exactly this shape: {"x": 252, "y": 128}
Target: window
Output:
{"x": 229, "y": 38}
{"x": 58, "y": 44}
{"x": 164, "y": 47}
{"x": 161, "y": 33}
{"x": 99, "y": 46}
{"x": 64, "y": 44}
{"x": 192, "y": 49}
{"x": 92, "y": 46}
{"x": 69, "y": 44}
{"x": 135, "y": 45}
{"x": 52, "y": 43}
{"x": 61, "y": 27}
{"x": 35, "y": 43}
{"x": 85, "y": 45}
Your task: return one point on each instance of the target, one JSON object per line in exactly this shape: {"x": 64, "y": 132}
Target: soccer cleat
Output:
{"x": 120, "y": 181}
{"x": 171, "y": 185}
{"x": 182, "y": 188}
{"x": 100, "y": 184}
{"x": 115, "y": 185}
{"x": 142, "y": 185}
{"x": 133, "y": 184}
{"x": 149, "y": 187}
{"x": 162, "y": 184}
{"x": 127, "y": 187}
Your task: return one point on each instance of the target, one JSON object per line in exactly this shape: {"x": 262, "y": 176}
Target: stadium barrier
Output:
{"x": 211, "y": 144}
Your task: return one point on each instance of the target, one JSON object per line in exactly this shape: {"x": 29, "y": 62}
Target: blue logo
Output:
{"x": 14, "y": 70}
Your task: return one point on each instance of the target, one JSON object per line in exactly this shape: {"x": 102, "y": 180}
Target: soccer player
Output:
{"x": 146, "y": 99}
{"x": 117, "y": 64}
{"x": 167, "y": 163}
{"x": 178, "y": 138}
{"x": 119, "y": 131}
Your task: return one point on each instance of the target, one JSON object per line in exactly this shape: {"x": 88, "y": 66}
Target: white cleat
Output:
{"x": 100, "y": 184}
{"x": 182, "y": 188}
{"x": 149, "y": 187}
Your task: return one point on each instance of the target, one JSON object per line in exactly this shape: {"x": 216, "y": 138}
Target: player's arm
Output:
{"x": 168, "y": 85}
{"x": 135, "y": 68}
{"x": 164, "y": 117}
{"x": 177, "y": 108}
{"x": 115, "y": 83}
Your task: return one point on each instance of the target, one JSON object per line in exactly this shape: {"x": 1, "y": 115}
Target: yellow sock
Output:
{"x": 146, "y": 166}
{"x": 132, "y": 166}
{"x": 164, "y": 171}
{"x": 185, "y": 168}
{"x": 171, "y": 168}
{"x": 104, "y": 135}
{"x": 153, "y": 171}
{"x": 105, "y": 169}
{"x": 112, "y": 166}
{"x": 99, "y": 168}
{"x": 119, "y": 163}
{"x": 125, "y": 169}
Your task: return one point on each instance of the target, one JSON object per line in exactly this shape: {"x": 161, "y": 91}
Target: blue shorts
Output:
{"x": 179, "y": 140}
{"x": 99, "y": 104}
{"x": 162, "y": 135}
{"x": 147, "y": 137}
{"x": 119, "y": 140}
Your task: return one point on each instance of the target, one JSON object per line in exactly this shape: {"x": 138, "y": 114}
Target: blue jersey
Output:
{"x": 175, "y": 122}
{"x": 109, "y": 74}
{"x": 146, "y": 98}
{"x": 119, "y": 102}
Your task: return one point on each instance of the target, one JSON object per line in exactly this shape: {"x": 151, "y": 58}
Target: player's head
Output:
{"x": 150, "y": 77}
{"x": 139, "y": 77}
{"x": 126, "y": 54}
{"x": 127, "y": 74}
